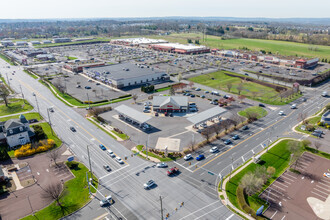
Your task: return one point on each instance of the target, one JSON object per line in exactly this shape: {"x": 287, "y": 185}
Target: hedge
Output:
{"x": 243, "y": 205}
{"x": 28, "y": 150}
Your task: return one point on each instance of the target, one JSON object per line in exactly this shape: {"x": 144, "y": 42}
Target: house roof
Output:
{"x": 1, "y": 172}
{"x": 12, "y": 123}
{"x": 175, "y": 100}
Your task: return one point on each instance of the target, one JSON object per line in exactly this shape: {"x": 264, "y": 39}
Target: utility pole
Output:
{"x": 90, "y": 164}
{"x": 161, "y": 207}
{"x": 147, "y": 147}
{"x": 7, "y": 79}
{"x": 89, "y": 188}
{"x": 50, "y": 123}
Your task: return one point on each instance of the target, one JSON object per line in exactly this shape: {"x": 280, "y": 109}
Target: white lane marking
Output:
{"x": 273, "y": 214}
{"x": 113, "y": 172}
{"x": 201, "y": 209}
{"x": 208, "y": 213}
{"x": 183, "y": 166}
{"x": 283, "y": 218}
{"x": 119, "y": 212}
{"x": 230, "y": 217}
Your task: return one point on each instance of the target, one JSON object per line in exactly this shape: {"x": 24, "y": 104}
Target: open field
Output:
{"x": 282, "y": 47}
{"x": 28, "y": 116}
{"x": 72, "y": 43}
{"x": 251, "y": 90}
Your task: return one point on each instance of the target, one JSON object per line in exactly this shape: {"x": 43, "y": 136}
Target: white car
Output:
{"x": 105, "y": 201}
{"x": 187, "y": 157}
{"x": 326, "y": 175}
{"x": 197, "y": 89}
{"x": 111, "y": 154}
{"x": 161, "y": 165}
{"x": 294, "y": 106}
{"x": 281, "y": 113}
{"x": 148, "y": 184}
{"x": 119, "y": 160}
{"x": 214, "y": 149}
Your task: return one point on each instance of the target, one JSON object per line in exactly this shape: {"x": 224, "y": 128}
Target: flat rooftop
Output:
{"x": 133, "y": 114}
{"x": 122, "y": 71}
{"x": 141, "y": 40}
{"x": 207, "y": 115}
{"x": 182, "y": 46}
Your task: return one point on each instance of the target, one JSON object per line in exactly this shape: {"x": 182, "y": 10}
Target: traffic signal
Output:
{"x": 189, "y": 163}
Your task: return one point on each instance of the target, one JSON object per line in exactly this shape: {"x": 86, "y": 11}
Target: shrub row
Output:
{"x": 28, "y": 149}
{"x": 243, "y": 205}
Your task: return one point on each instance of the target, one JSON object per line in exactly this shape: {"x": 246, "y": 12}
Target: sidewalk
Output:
{"x": 107, "y": 128}
{"x": 142, "y": 154}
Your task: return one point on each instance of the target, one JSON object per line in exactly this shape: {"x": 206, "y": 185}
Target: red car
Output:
{"x": 172, "y": 171}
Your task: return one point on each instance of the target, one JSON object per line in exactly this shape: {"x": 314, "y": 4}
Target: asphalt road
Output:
{"x": 123, "y": 182}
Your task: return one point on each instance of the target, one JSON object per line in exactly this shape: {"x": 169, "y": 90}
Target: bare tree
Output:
{"x": 226, "y": 124}
{"x": 254, "y": 94}
{"x": 252, "y": 116}
{"x": 192, "y": 144}
{"x": 261, "y": 172}
{"x": 217, "y": 129}
{"x": 241, "y": 98}
{"x": 171, "y": 91}
{"x": 251, "y": 183}
{"x": 271, "y": 171}
{"x": 4, "y": 93}
{"x": 134, "y": 97}
{"x": 302, "y": 117}
{"x": 94, "y": 90}
{"x": 54, "y": 155}
{"x": 229, "y": 86}
{"x": 54, "y": 192}
{"x": 179, "y": 77}
{"x": 235, "y": 119}
{"x": 239, "y": 88}
{"x": 317, "y": 145}
{"x": 206, "y": 133}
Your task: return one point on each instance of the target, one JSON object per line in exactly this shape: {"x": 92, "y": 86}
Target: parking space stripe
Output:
{"x": 321, "y": 191}
{"x": 288, "y": 178}
{"x": 273, "y": 214}
{"x": 281, "y": 184}
{"x": 319, "y": 195}
{"x": 290, "y": 175}
{"x": 326, "y": 189}
{"x": 272, "y": 192}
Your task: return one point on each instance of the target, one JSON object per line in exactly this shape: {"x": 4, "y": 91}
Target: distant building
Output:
{"x": 78, "y": 65}
{"x": 170, "y": 103}
{"x": 31, "y": 52}
{"x": 137, "y": 41}
{"x": 180, "y": 48}
{"x": 306, "y": 64}
{"x": 35, "y": 42}
{"x": 21, "y": 43}
{"x": 124, "y": 74}
{"x": 7, "y": 43}
{"x": 61, "y": 40}
{"x": 46, "y": 42}
{"x": 45, "y": 57}
{"x": 15, "y": 132}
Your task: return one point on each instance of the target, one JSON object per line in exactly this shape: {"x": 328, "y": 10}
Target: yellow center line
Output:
{"x": 241, "y": 143}
{"x": 36, "y": 92}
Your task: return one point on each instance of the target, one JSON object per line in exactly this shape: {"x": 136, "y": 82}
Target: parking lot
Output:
{"x": 300, "y": 196}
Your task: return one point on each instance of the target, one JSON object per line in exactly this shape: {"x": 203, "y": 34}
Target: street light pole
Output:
{"x": 89, "y": 104}
{"x": 7, "y": 79}
{"x": 89, "y": 160}
{"x": 35, "y": 96}
{"x": 22, "y": 93}
{"x": 161, "y": 207}
{"x": 50, "y": 123}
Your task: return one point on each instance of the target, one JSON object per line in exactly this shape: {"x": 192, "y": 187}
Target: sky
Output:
{"x": 23, "y": 9}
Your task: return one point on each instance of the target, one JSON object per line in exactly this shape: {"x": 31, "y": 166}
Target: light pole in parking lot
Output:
{"x": 89, "y": 104}
{"x": 90, "y": 163}
{"x": 50, "y": 123}
{"x": 35, "y": 96}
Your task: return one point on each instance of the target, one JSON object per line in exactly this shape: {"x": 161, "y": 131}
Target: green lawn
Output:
{"x": 277, "y": 157}
{"x": 261, "y": 111}
{"x": 47, "y": 129}
{"x": 251, "y": 90}
{"x": 5, "y": 58}
{"x": 28, "y": 116}
{"x": 122, "y": 136}
{"x": 14, "y": 106}
{"x": 71, "y": 58}
{"x": 31, "y": 74}
{"x": 282, "y": 47}
{"x": 100, "y": 127}
{"x": 77, "y": 197}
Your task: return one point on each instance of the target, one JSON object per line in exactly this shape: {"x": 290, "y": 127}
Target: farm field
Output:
{"x": 251, "y": 90}
{"x": 281, "y": 47}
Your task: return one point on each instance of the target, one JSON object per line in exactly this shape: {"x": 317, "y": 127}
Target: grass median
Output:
{"x": 14, "y": 106}
{"x": 77, "y": 196}
{"x": 254, "y": 109}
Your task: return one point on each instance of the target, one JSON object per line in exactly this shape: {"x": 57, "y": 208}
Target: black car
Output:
{"x": 317, "y": 134}
{"x": 245, "y": 127}
{"x": 73, "y": 129}
{"x": 107, "y": 168}
{"x": 33, "y": 121}
{"x": 88, "y": 87}
{"x": 262, "y": 105}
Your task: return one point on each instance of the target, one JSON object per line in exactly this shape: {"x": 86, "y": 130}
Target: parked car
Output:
{"x": 146, "y": 111}
{"x": 161, "y": 165}
{"x": 319, "y": 131}
{"x": 33, "y": 121}
{"x": 192, "y": 96}
{"x": 156, "y": 114}
{"x": 294, "y": 106}
{"x": 281, "y": 113}
{"x": 119, "y": 160}
{"x": 246, "y": 74}
{"x": 235, "y": 137}
{"x": 202, "y": 96}
{"x": 316, "y": 134}
{"x": 107, "y": 168}
{"x": 214, "y": 149}
{"x": 110, "y": 153}
{"x": 172, "y": 171}
{"x": 149, "y": 184}
{"x": 262, "y": 105}
{"x": 105, "y": 201}
{"x": 206, "y": 91}
{"x": 187, "y": 157}
{"x": 228, "y": 141}
{"x": 200, "y": 157}
{"x": 171, "y": 114}
{"x": 197, "y": 89}
{"x": 73, "y": 129}
{"x": 88, "y": 87}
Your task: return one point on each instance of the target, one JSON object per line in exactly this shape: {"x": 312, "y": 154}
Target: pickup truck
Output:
{"x": 172, "y": 171}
